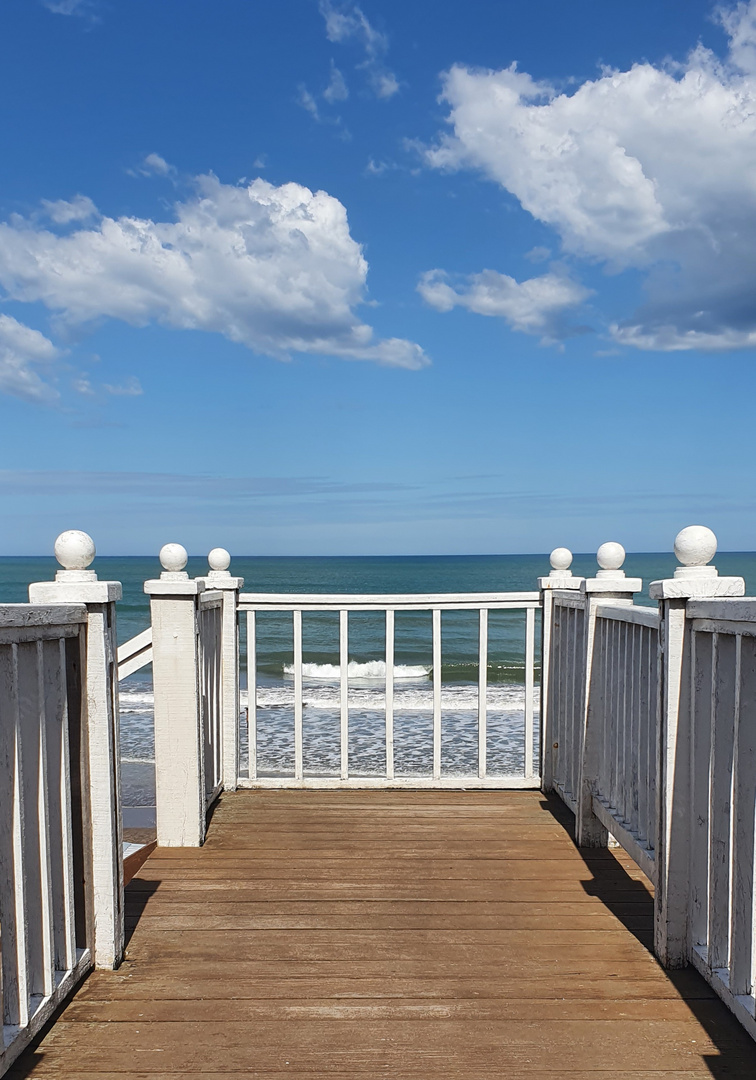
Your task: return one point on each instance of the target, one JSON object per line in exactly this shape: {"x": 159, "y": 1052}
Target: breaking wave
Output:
{"x": 370, "y": 671}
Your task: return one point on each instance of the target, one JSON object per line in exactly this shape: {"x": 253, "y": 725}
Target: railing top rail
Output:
{"x": 382, "y": 601}
{"x": 134, "y": 645}
{"x": 211, "y": 598}
{"x": 568, "y": 598}
{"x": 639, "y": 616}
{"x": 734, "y": 609}
{"x": 25, "y": 615}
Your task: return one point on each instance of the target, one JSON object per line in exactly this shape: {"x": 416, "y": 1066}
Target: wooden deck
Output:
{"x": 413, "y": 935}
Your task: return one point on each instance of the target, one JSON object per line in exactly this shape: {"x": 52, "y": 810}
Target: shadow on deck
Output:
{"x": 413, "y": 935}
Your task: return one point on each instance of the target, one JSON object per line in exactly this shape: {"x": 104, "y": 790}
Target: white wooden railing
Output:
{"x": 566, "y": 695}
{"x": 209, "y": 629}
{"x": 647, "y": 731}
{"x": 134, "y": 654}
{"x": 650, "y": 722}
{"x": 620, "y": 746}
{"x": 723, "y": 796}
{"x": 44, "y": 938}
{"x": 386, "y": 607}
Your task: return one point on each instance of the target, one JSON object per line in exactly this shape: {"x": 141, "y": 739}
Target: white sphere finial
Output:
{"x": 219, "y": 559}
{"x": 75, "y": 550}
{"x": 561, "y": 560}
{"x": 173, "y": 558}
{"x": 695, "y": 547}
{"x": 610, "y": 556}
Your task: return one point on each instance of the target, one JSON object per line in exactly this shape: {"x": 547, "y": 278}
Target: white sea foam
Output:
{"x": 371, "y": 670}
{"x": 500, "y": 697}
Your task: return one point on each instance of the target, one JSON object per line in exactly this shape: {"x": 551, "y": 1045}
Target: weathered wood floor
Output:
{"x": 391, "y": 934}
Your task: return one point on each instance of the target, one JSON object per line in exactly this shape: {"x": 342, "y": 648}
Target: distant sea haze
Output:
{"x": 413, "y": 658}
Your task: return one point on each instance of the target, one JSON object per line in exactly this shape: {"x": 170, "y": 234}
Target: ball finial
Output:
{"x": 173, "y": 558}
{"x": 610, "y": 556}
{"x": 74, "y": 550}
{"x": 219, "y": 559}
{"x": 561, "y": 559}
{"x": 695, "y": 546}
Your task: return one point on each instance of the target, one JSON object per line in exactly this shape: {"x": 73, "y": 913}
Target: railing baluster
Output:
{"x": 389, "y": 694}
{"x": 252, "y": 694}
{"x": 344, "y": 690}
{"x": 436, "y": 693}
{"x": 13, "y": 882}
{"x": 35, "y": 840}
{"x": 529, "y": 694}
{"x": 633, "y": 727}
{"x": 59, "y": 805}
{"x": 726, "y": 657}
{"x": 482, "y": 689}
{"x": 644, "y": 658}
{"x": 298, "y": 767}
{"x": 744, "y": 834}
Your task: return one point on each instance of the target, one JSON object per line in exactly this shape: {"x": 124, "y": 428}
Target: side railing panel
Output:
{"x": 722, "y": 917}
{"x": 45, "y": 912}
{"x": 387, "y": 607}
{"x": 621, "y": 728}
{"x": 209, "y": 629}
{"x": 566, "y": 693}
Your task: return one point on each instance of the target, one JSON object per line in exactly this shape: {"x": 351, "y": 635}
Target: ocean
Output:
{"x": 413, "y": 687}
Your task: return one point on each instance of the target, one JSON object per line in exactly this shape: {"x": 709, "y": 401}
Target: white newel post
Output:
{"x": 560, "y": 577}
{"x": 219, "y": 578}
{"x": 609, "y": 586}
{"x": 695, "y": 547}
{"x": 75, "y": 583}
{"x": 179, "y": 750}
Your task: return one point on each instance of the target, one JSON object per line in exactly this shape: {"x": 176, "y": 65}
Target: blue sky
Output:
{"x": 324, "y": 278}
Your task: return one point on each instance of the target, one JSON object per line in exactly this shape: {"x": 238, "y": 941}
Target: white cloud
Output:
{"x": 68, "y": 7}
{"x": 652, "y": 168}
{"x": 131, "y": 387}
{"x": 346, "y": 22}
{"x": 337, "y": 89}
{"x": 21, "y": 350}
{"x": 308, "y": 103}
{"x": 273, "y": 268}
{"x": 63, "y": 212}
{"x": 154, "y": 163}
{"x": 536, "y": 306}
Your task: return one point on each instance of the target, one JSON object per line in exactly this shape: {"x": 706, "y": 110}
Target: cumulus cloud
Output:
{"x": 536, "y": 306}
{"x": 273, "y": 268}
{"x": 346, "y": 22}
{"x": 63, "y": 212}
{"x": 22, "y": 352}
{"x": 651, "y": 168}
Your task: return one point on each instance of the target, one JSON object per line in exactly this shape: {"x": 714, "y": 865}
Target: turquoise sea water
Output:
{"x": 413, "y": 694}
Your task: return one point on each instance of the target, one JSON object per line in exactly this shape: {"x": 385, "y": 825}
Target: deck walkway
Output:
{"x": 410, "y": 935}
